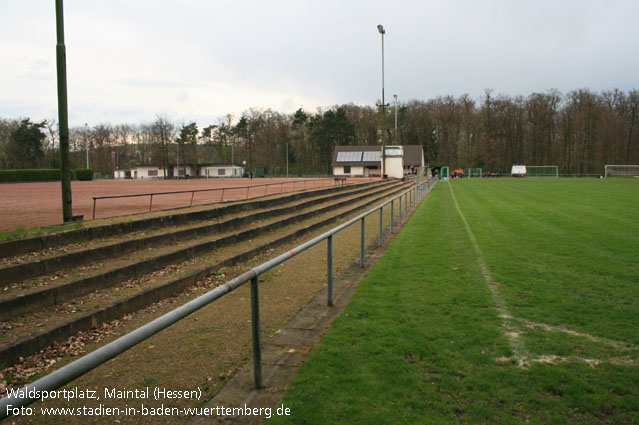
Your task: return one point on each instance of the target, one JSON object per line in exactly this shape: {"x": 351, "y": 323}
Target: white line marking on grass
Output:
{"x": 510, "y": 328}
{"x": 619, "y": 345}
{"x": 553, "y": 359}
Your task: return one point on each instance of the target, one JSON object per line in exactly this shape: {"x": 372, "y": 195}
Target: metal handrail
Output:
{"x": 101, "y": 355}
{"x": 193, "y": 191}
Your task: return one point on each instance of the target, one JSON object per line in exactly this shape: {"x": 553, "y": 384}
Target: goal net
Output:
{"x": 472, "y": 172}
{"x": 622, "y": 170}
{"x": 542, "y": 171}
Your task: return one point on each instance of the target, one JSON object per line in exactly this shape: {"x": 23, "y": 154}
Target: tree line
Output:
{"x": 580, "y": 132}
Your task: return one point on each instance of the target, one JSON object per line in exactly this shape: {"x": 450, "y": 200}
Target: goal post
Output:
{"x": 542, "y": 171}
{"x": 621, "y": 171}
{"x": 472, "y": 172}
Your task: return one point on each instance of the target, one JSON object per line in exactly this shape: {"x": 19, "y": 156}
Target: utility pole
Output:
{"x": 63, "y": 116}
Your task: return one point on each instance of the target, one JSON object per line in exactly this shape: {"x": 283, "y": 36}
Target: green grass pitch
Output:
{"x": 502, "y": 301}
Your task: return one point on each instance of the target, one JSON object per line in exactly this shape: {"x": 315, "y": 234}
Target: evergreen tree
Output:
{"x": 26, "y": 145}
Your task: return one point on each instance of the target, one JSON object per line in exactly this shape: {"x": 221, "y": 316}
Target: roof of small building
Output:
{"x": 413, "y": 155}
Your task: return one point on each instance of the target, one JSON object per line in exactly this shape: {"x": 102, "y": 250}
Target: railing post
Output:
{"x": 151, "y": 204}
{"x": 406, "y": 205}
{"x": 400, "y": 208}
{"x": 247, "y": 191}
{"x": 361, "y": 243}
{"x": 192, "y": 195}
{"x": 392, "y": 217}
{"x": 94, "y": 208}
{"x": 222, "y": 198}
{"x": 329, "y": 269}
{"x": 381, "y": 226}
{"x": 255, "y": 320}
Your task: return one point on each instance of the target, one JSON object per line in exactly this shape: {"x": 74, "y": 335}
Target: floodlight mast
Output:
{"x": 63, "y": 116}
{"x": 382, "y": 31}
{"x": 395, "y": 96}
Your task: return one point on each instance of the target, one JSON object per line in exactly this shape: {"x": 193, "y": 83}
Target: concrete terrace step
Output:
{"x": 22, "y": 348}
{"x": 27, "y": 270}
{"x": 20, "y": 246}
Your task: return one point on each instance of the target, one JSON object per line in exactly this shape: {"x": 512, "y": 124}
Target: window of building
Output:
{"x": 347, "y": 169}
{"x": 153, "y": 173}
{"x": 221, "y": 171}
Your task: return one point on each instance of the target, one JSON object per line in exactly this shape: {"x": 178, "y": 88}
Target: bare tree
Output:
{"x": 163, "y": 133}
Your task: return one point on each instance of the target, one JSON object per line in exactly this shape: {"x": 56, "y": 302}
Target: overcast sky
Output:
{"x": 130, "y": 60}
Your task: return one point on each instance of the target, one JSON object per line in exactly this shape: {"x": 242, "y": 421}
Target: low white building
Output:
{"x": 183, "y": 171}
{"x": 366, "y": 161}
{"x": 221, "y": 171}
{"x": 122, "y": 174}
{"x": 154, "y": 172}
{"x": 140, "y": 172}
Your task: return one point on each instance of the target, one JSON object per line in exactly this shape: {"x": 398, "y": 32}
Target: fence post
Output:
{"x": 94, "y": 208}
{"x": 255, "y": 321}
{"x": 192, "y": 195}
{"x": 361, "y": 240}
{"x": 151, "y": 203}
{"x": 329, "y": 268}
{"x": 400, "y": 208}
{"x": 222, "y": 198}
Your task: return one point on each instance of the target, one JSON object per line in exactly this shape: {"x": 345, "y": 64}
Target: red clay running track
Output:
{"x": 28, "y": 205}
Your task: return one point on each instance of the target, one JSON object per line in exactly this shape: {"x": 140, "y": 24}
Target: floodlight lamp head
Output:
{"x": 381, "y": 30}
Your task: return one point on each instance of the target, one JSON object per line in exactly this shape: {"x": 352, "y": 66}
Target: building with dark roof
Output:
{"x": 366, "y": 161}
